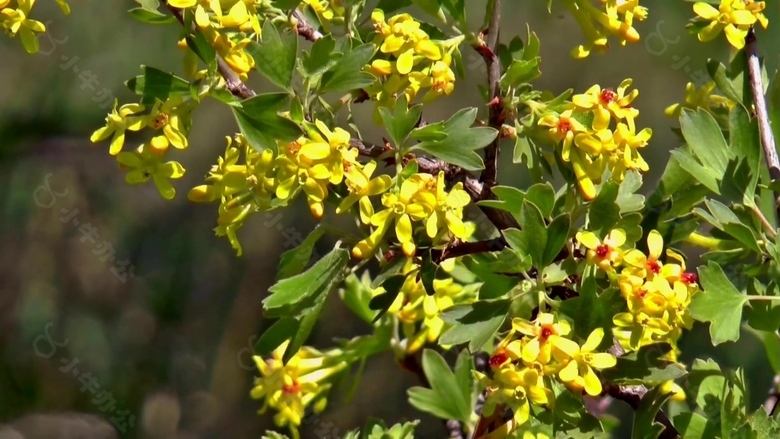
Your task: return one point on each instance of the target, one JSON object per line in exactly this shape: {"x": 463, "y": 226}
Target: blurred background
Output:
{"x": 165, "y": 340}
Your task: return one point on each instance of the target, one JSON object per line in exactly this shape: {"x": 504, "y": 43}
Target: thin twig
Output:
{"x": 490, "y": 173}
{"x": 305, "y": 29}
{"x": 764, "y": 125}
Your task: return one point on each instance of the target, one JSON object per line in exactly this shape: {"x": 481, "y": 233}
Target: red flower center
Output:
{"x": 602, "y": 251}
{"x": 547, "y": 331}
{"x": 689, "y": 278}
{"x": 497, "y": 359}
{"x": 654, "y": 266}
{"x": 293, "y": 388}
{"x": 564, "y": 126}
{"x": 160, "y": 121}
{"x": 606, "y": 96}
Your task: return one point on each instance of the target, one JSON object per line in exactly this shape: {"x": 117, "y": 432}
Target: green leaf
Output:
{"x": 520, "y": 72}
{"x": 694, "y": 426}
{"x": 383, "y": 301}
{"x": 557, "y": 234}
{"x": 704, "y": 137}
{"x": 401, "y": 121}
{"x": 260, "y": 123}
{"x": 534, "y": 233}
{"x": 475, "y": 323}
{"x": 723, "y": 81}
{"x": 542, "y": 195}
{"x": 457, "y": 10}
{"x": 706, "y": 176}
{"x": 198, "y": 43}
{"x": 590, "y": 310}
{"x": 295, "y": 260}
{"x": 308, "y": 318}
{"x": 154, "y": 83}
{"x": 275, "y": 55}
{"x": 286, "y": 5}
{"x": 763, "y": 315}
{"x": 627, "y": 199}
{"x": 347, "y": 74}
{"x": 644, "y": 426}
{"x": 321, "y": 58}
{"x": 461, "y": 142}
{"x": 430, "y": 7}
{"x": 151, "y": 16}
{"x": 273, "y": 337}
{"x": 445, "y": 398}
{"x": 745, "y": 145}
{"x": 356, "y": 295}
{"x": 604, "y": 213}
{"x": 645, "y": 366}
{"x": 493, "y": 285}
{"x": 392, "y": 5}
{"x": 463, "y": 367}
{"x": 314, "y": 282}
{"x": 719, "y": 303}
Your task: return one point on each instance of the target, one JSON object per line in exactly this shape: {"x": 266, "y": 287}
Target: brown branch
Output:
{"x": 232, "y": 82}
{"x": 305, "y": 29}
{"x": 489, "y": 175}
{"x": 764, "y": 125}
{"x": 460, "y": 248}
{"x": 771, "y": 403}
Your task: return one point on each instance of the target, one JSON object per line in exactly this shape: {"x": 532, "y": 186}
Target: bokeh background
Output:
{"x": 171, "y": 343}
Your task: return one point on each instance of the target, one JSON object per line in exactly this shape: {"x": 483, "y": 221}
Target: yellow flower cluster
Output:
{"x": 733, "y": 17}
{"x": 229, "y": 25}
{"x": 589, "y": 144}
{"x": 290, "y": 388}
{"x": 15, "y": 20}
{"x": 701, "y": 97}
{"x": 531, "y": 356}
{"x": 657, "y": 294}
{"x": 419, "y": 313}
{"x": 410, "y": 61}
{"x": 168, "y": 121}
{"x": 420, "y": 199}
{"x": 263, "y": 182}
{"x": 613, "y": 18}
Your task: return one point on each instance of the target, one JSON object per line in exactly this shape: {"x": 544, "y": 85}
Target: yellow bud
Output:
{"x": 202, "y": 194}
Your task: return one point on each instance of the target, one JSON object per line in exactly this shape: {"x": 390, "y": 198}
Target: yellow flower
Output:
{"x": 608, "y": 103}
{"x": 563, "y": 128}
{"x": 605, "y": 254}
{"x": 147, "y": 162}
{"x": 447, "y": 215}
{"x": 545, "y": 334}
{"x": 117, "y": 122}
{"x": 17, "y": 21}
{"x": 403, "y": 206}
{"x": 290, "y": 388}
{"x": 649, "y": 265}
{"x": 166, "y": 116}
{"x": 578, "y": 373}
{"x": 733, "y": 17}
{"x": 701, "y": 97}
{"x": 515, "y": 387}
{"x": 361, "y": 186}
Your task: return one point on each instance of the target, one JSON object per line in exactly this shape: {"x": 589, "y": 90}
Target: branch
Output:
{"x": 460, "y": 248}
{"x": 232, "y": 82}
{"x": 771, "y": 403}
{"x": 304, "y": 28}
{"x": 490, "y": 173}
{"x": 764, "y": 126}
